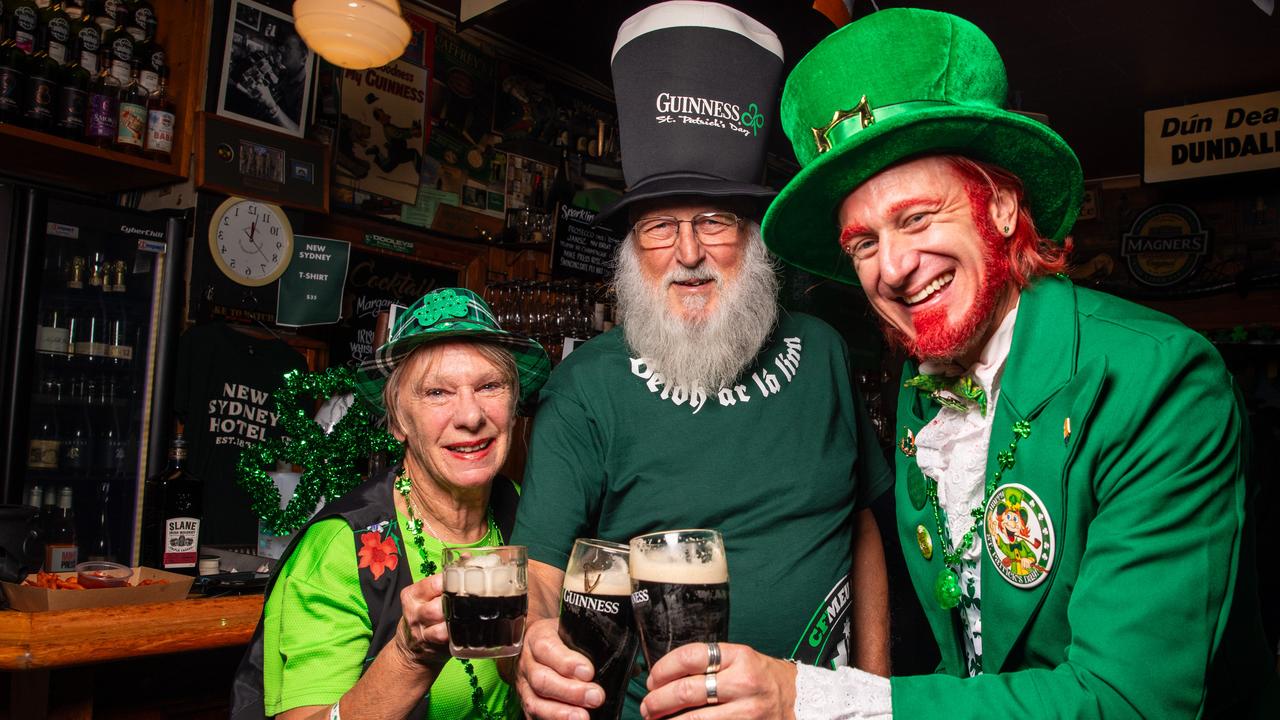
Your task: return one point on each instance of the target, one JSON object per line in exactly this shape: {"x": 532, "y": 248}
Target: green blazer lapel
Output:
{"x": 921, "y": 547}
{"x": 1024, "y": 523}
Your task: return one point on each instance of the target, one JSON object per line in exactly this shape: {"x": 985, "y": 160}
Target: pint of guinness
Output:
{"x": 680, "y": 590}
{"x": 596, "y": 619}
{"x": 486, "y": 597}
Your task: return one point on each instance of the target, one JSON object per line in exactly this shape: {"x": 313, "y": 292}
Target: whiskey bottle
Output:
{"x": 160, "y": 121}
{"x": 58, "y": 34}
{"x": 131, "y": 127}
{"x": 119, "y": 44}
{"x": 76, "y": 448}
{"x": 90, "y": 37}
{"x": 42, "y": 84}
{"x": 141, "y": 20}
{"x": 22, "y": 19}
{"x": 100, "y": 127}
{"x": 45, "y": 448}
{"x": 171, "y": 514}
{"x": 60, "y": 552}
{"x": 150, "y": 58}
{"x": 13, "y": 78}
{"x": 53, "y": 335}
{"x": 73, "y": 95}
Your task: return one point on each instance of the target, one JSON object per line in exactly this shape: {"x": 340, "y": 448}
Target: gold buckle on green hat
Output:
{"x": 861, "y": 110}
{"x": 837, "y": 131}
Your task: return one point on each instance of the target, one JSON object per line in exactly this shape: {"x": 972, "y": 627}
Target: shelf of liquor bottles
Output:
{"x": 97, "y": 95}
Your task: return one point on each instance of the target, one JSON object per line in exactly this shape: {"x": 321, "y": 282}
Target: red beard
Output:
{"x": 937, "y": 338}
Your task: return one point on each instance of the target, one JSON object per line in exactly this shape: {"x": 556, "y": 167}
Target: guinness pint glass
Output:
{"x": 679, "y": 589}
{"x": 596, "y": 619}
{"x": 486, "y": 596}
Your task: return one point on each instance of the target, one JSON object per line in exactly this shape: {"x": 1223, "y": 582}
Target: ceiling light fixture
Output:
{"x": 354, "y": 34}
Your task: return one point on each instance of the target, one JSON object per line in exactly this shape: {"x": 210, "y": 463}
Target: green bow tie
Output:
{"x": 963, "y": 391}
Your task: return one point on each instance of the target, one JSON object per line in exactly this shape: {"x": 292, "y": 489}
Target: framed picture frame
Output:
{"x": 267, "y": 70}
{"x": 237, "y": 158}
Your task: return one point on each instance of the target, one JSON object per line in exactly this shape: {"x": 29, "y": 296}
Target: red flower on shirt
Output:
{"x": 378, "y": 554}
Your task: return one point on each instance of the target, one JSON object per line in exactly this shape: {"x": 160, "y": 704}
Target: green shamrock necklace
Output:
{"x": 404, "y": 484}
{"x": 946, "y": 588}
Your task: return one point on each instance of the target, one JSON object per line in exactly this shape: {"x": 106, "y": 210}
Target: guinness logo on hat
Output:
{"x": 696, "y": 86}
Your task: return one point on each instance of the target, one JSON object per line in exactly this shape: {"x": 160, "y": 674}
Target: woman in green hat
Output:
{"x": 353, "y": 622}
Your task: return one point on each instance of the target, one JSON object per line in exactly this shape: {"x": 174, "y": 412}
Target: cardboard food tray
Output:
{"x": 35, "y": 599}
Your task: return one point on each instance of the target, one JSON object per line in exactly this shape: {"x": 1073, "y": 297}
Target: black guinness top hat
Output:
{"x": 696, "y": 86}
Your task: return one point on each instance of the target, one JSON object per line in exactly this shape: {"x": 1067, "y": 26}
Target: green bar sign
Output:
{"x": 386, "y": 243}
{"x": 311, "y": 288}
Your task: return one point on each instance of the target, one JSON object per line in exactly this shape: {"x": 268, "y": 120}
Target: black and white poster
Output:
{"x": 268, "y": 69}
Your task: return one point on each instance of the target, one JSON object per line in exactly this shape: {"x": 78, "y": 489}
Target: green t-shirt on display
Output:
{"x": 316, "y": 629}
{"x": 778, "y": 463}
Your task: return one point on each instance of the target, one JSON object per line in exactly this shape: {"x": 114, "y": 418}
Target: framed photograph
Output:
{"x": 236, "y": 158}
{"x": 268, "y": 70}
{"x": 261, "y": 162}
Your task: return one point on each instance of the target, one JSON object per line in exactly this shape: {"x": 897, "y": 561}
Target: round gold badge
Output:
{"x": 925, "y": 541}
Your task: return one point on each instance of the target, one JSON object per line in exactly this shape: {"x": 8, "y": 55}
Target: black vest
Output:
{"x": 367, "y": 505}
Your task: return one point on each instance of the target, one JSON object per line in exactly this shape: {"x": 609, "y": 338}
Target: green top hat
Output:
{"x": 893, "y": 85}
{"x": 443, "y": 314}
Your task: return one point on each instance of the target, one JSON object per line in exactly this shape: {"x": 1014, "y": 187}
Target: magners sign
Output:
{"x": 1165, "y": 245}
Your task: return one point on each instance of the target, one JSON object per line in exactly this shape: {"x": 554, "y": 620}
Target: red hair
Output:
{"x": 1030, "y": 256}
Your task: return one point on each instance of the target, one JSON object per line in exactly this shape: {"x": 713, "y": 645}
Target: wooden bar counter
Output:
{"x": 33, "y": 644}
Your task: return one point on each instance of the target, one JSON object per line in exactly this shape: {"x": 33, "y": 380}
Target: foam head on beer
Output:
{"x": 484, "y": 575}
{"x": 613, "y": 581}
{"x": 674, "y": 562}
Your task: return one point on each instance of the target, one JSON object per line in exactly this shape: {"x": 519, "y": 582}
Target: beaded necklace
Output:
{"x": 946, "y": 588}
{"x": 404, "y": 484}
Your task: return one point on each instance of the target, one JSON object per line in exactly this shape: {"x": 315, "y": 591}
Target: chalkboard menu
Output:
{"x": 374, "y": 282}
{"x": 582, "y": 250}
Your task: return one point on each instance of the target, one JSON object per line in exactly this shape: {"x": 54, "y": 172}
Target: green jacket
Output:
{"x": 1149, "y": 607}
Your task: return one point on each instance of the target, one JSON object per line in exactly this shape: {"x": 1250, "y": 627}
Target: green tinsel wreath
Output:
{"x": 329, "y": 459}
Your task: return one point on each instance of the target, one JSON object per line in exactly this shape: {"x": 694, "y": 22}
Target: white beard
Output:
{"x": 708, "y": 352}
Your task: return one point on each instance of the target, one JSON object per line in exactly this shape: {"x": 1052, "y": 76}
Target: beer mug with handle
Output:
{"x": 486, "y": 597}
{"x": 596, "y": 618}
{"x": 680, "y": 589}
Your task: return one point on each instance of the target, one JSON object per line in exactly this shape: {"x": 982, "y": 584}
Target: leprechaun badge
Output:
{"x": 1019, "y": 537}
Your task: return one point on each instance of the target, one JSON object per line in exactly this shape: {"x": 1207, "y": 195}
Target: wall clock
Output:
{"x": 251, "y": 241}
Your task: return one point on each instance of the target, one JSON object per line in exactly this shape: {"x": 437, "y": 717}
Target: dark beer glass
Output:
{"x": 596, "y": 619}
{"x": 486, "y": 597}
{"x": 679, "y": 589}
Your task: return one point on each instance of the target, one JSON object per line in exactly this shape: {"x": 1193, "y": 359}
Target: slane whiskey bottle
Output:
{"x": 171, "y": 515}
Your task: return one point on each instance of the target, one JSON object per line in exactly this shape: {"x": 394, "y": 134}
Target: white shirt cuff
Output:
{"x": 842, "y": 694}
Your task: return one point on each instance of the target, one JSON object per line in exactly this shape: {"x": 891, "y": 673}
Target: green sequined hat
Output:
{"x": 896, "y": 84}
{"x": 440, "y": 315}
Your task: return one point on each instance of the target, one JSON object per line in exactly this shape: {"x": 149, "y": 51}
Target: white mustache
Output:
{"x": 684, "y": 274}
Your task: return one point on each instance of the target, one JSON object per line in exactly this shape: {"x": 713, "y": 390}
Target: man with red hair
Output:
{"x": 1070, "y": 467}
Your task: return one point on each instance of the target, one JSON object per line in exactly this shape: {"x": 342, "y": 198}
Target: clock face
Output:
{"x": 251, "y": 241}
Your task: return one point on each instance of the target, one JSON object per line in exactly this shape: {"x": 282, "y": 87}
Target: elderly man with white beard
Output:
{"x": 708, "y": 406}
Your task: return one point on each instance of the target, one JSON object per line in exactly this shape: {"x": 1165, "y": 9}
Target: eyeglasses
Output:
{"x": 710, "y": 228}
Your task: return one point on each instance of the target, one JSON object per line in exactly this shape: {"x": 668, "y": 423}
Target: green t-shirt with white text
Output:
{"x": 778, "y": 462}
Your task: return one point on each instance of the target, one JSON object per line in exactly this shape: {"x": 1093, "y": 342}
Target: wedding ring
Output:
{"x": 713, "y": 658}
{"x": 712, "y": 697}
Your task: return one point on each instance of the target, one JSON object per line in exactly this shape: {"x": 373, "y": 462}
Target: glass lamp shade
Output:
{"x": 354, "y": 34}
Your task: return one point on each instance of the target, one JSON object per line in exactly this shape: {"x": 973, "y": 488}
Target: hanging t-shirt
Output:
{"x": 778, "y": 462}
{"x": 223, "y": 396}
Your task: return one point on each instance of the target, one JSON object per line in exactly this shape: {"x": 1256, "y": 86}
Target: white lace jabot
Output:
{"x": 952, "y": 449}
